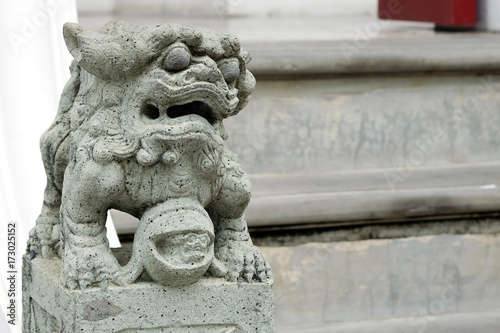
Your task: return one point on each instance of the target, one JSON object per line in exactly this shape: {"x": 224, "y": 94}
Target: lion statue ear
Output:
{"x": 117, "y": 51}
{"x": 99, "y": 54}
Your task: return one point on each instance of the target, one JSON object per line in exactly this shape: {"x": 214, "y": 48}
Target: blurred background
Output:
{"x": 372, "y": 141}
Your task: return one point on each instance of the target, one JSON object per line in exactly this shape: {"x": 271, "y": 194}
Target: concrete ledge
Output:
{"x": 286, "y": 199}
{"x": 444, "y": 52}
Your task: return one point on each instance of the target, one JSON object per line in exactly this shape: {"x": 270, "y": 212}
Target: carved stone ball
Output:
{"x": 175, "y": 242}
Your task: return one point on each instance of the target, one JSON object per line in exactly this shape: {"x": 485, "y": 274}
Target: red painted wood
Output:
{"x": 452, "y": 13}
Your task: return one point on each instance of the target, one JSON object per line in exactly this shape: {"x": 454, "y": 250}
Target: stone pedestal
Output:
{"x": 210, "y": 305}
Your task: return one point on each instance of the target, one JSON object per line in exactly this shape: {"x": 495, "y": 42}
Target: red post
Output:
{"x": 447, "y": 13}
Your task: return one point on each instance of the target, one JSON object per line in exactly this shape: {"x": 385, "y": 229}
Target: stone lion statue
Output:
{"x": 140, "y": 129}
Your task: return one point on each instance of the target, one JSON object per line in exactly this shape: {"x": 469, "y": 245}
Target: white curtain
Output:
{"x": 34, "y": 66}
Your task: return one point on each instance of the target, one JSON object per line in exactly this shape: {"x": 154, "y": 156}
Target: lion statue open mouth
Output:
{"x": 140, "y": 129}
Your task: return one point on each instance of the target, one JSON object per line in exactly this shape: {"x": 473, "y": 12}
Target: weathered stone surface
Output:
{"x": 210, "y": 305}
{"x": 319, "y": 284}
{"x": 352, "y": 197}
{"x": 360, "y": 123}
{"x": 140, "y": 129}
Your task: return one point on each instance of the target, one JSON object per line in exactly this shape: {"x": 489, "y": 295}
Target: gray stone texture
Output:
{"x": 417, "y": 278}
{"x": 357, "y": 123}
{"x": 211, "y": 305}
{"x": 371, "y": 147}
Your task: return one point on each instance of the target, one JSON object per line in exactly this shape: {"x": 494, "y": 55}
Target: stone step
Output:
{"x": 433, "y": 53}
{"x": 424, "y": 284}
{"x": 375, "y": 195}
{"x": 361, "y": 197}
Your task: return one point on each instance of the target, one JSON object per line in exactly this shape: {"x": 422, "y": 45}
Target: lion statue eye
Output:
{"x": 230, "y": 71}
{"x": 177, "y": 59}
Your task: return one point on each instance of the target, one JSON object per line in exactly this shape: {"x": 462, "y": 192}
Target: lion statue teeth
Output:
{"x": 140, "y": 129}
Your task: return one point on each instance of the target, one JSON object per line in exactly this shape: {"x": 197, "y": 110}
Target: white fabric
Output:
{"x": 34, "y": 66}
